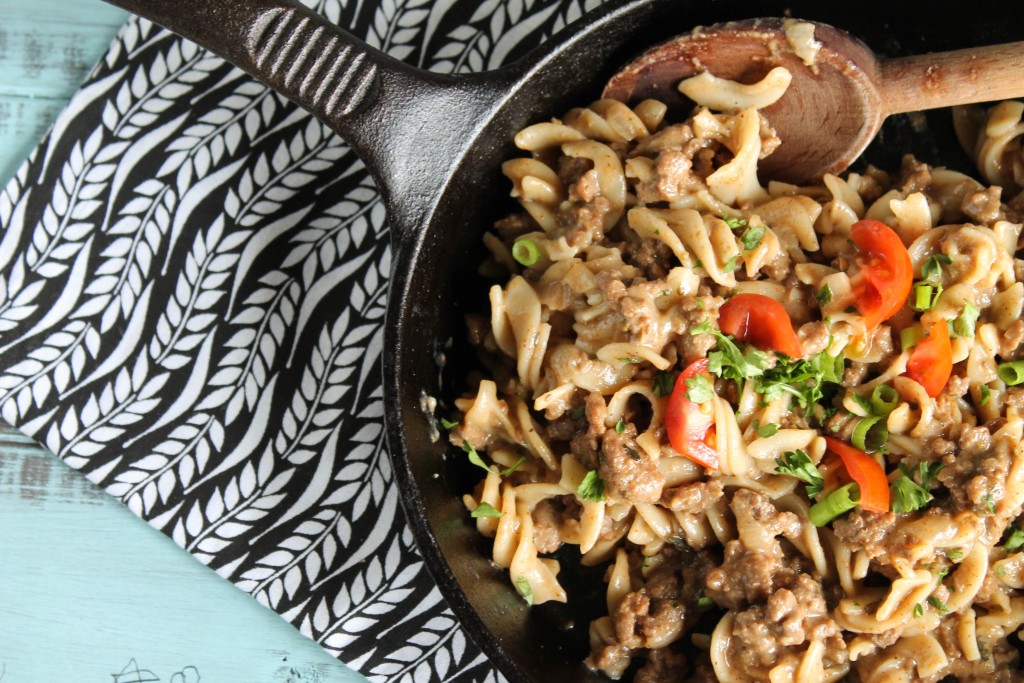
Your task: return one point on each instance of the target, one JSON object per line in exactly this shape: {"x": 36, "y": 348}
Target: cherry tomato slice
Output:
{"x": 931, "y": 360}
{"x": 760, "y": 320}
{"x": 865, "y": 470}
{"x": 690, "y": 424}
{"x": 886, "y": 273}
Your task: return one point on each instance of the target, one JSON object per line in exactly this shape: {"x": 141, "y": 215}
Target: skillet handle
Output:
{"x": 376, "y": 103}
{"x": 292, "y": 49}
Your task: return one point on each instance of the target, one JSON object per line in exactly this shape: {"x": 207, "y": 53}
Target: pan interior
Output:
{"x": 436, "y": 284}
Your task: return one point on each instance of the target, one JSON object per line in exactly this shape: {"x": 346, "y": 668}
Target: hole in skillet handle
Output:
{"x": 532, "y": 645}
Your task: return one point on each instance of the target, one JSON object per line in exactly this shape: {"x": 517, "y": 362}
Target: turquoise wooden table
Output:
{"x": 88, "y": 592}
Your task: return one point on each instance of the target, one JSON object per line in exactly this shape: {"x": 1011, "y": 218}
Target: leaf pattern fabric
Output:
{"x": 193, "y": 278}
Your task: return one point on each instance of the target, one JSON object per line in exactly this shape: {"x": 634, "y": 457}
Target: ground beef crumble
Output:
{"x": 663, "y": 666}
{"x": 628, "y": 472}
{"x": 863, "y": 530}
{"x": 747, "y": 574}
{"x": 790, "y": 617}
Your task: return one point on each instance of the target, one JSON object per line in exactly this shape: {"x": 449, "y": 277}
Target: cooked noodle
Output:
{"x": 641, "y": 231}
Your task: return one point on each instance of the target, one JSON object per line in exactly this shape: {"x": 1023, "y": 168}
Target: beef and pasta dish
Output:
{"x": 787, "y": 419}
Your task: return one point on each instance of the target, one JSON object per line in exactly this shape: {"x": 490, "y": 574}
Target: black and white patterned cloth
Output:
{"x": 193, "y": 275}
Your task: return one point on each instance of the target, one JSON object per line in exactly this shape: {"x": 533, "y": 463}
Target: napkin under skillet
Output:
{"x": 193, "y": 276}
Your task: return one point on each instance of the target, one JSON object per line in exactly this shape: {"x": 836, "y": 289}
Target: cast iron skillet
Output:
{"x": 434, "y": 145}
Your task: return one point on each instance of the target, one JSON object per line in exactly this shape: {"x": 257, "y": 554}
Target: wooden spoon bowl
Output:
{"x": 840, "y": 93}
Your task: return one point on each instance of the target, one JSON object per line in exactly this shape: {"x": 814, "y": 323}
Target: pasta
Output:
{"x": 788, "y": 419}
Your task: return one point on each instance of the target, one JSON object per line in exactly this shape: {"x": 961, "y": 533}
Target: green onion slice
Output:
{"x": 842, "y": 500}
{"x": 925, "y": 295}
{"x": 526, "y": 252}
{"x": 884, "y": 400}
{"x": 870, "y": 434}
{"x": 964, "y": 325}
{"x": 910, "y": 336}
{"x": 1011, "y": 373}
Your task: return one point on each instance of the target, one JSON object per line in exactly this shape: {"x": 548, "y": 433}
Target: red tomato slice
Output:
{"x": 869, "y": 475}
{"x": 931, "y": 360}
{"x": 760, "y": 320}
{"x": 886, "y": 273}
{"x": 689, "y": 424}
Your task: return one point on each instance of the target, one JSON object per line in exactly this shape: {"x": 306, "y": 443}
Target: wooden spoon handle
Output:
{"x": 944, "y": 79}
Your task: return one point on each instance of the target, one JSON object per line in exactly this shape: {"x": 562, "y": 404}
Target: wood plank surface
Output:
{"x": 46, "y": 48}
{"x": 88, "y": 592}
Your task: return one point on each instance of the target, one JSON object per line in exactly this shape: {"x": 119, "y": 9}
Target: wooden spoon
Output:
{"x": 840, "y": 93}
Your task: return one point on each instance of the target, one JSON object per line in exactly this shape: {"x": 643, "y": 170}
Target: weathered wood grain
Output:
{"x": 46, "y": 49}
{"x": 87, "y": 587}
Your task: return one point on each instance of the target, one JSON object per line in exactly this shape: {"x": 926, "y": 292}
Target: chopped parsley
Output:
{"x": 485, "y": 510}
{"x": 764, "y": 431}
{"x": 990, "y": 503}
{"x": 932, "y": 268}
{"x": 699, "y": 389}
{"x": 824, "y": 295}
{"x": 515, "y": 467}
{"x": 591, "y": 488}
{"x": 1015, "y": 540}
{"x": 908, "y": 494}
{"x": 731, "y": 264}
{"x": 704, "y": 603}
{"x": 928, "y": 471}
{"x": 964, "y": 325}
{"x": 523, "y": 586}
{"x": 986, "y": 394}
{"x": 733, "y": 222}
{"x": 578, "y": 413}
{"x": 728, "y": 361}
{"x": 956, "y": 554}
{"x": 752, "y": 236}
{"x": 938, "y": 605}
{"x": 663, "y": 383}
{"x": 629, "y": 360}
{"x": 798, "y": 464}
{"x": 620, "y": 426}
{"x": 804, "y": 379}
{"x": 448, "y": 424}
{"x": 474, "y": 457}
{"x": 918, "y": 611}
